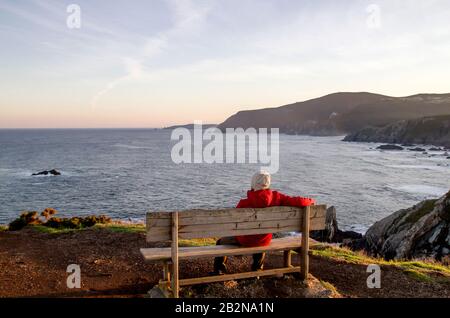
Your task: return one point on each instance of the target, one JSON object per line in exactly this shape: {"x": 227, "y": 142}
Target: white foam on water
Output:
{"x": 359, "y": 228}
{"x": 131, "y": 220}
{"x": 422, "y": 189}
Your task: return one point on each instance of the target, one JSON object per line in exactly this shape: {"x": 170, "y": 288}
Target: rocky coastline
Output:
{"x": 418, "y": 232}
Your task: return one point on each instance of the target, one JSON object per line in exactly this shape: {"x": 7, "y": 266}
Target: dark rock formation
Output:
{"x": 52, "y": 172}
{"x": 390, "y": 147}
{"x": 417, "y": 149}
{"x": 427, "y": 130}
{"x": 421, "y": 231}
{"x": 332, "y": 233}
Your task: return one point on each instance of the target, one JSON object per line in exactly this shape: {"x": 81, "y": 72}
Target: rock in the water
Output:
{"x": 436, "y": 149}
{"x": 53, "y": 172}
{"x": 390, "y": 147}
{"x": 421, "y": 231}
{"x": 417, "y": 149}
{"x": 331, "y": 233}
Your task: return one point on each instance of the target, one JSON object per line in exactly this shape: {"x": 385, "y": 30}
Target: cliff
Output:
{"x": 428, "y": 130}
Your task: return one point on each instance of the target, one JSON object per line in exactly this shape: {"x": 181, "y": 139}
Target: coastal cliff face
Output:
{"x": 428, "y": 130}
{"x": 341, "y": 113}
{"x": 421, "y": 231}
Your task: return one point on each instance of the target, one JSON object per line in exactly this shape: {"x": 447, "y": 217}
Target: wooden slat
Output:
{"x": 163, "y": 234}
{"x": 158, "y": 254}
{"x": 221, "y": 278}
{"x": 229, "y": 211}
{"x": 224, "y": 218}
{"x": 234, "y": 214}
{"x": 233, "y": 222}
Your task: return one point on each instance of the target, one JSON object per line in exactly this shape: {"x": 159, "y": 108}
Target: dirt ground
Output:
{"x": 33, "y": 264}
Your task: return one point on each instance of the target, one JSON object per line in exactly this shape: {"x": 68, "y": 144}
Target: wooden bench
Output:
{"x": 190, "y": 224}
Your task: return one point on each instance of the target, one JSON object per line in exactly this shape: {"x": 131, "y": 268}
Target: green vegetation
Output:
{"x": 114, "y": 227}
{"x": 3, "y": 228}
{"x": 426, "y": 208}
{"x": 420, "y": 270}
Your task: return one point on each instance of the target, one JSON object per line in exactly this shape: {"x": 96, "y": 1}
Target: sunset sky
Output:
{"x": 162, "y": 62}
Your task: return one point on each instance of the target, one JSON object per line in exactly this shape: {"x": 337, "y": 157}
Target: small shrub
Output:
{"x": 25, "y": 219}
{"x": 48, "y": 212}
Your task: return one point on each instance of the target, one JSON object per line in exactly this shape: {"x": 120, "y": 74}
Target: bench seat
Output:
{"x": 164, "y": 254}
{"x": 193, "y": 224}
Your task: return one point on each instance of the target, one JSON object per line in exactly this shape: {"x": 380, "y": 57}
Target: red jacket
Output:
{"x": 264, "y": 199}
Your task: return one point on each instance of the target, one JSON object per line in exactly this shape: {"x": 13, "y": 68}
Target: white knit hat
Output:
{"x": 261, "y": 181}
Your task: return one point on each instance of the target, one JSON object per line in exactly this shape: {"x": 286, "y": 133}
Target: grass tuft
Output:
{"x": 122, "y": 228}
{"x": 197, "y": 242}
{"x": 51, "y": 230}
{"x": 329, "y": 286}
{"x": 422, "y": 277}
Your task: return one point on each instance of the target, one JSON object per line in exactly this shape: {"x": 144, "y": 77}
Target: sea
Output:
{"x": 125, "y": 173}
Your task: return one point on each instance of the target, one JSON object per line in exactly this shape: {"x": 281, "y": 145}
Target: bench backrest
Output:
{"x": 232, "y": 222}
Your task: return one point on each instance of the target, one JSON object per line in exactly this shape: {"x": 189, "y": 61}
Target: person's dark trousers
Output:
{"x": 220, "y": 263}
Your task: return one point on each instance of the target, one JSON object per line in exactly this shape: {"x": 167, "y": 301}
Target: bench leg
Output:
{"x": 305, "y": 245}
{"x": 164, "y": 284}
{"x": 287, "y": 259}
{"x": 166, "y": 272}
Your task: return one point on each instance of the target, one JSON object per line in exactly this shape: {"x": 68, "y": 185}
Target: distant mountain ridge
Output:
{"x": 341, "y": 113}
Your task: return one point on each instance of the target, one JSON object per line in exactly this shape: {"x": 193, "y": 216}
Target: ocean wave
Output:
{"x": 424, "y": 167}
{"x": 131, "y": 220}
{"x": 130, "y": 146}
{"x": 421, "y": 189}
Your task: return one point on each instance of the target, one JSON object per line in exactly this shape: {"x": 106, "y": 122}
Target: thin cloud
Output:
{"x": 186, "y": 17}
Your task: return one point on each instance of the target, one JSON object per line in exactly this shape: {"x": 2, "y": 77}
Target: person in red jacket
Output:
{"x": 260, "y": 196}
